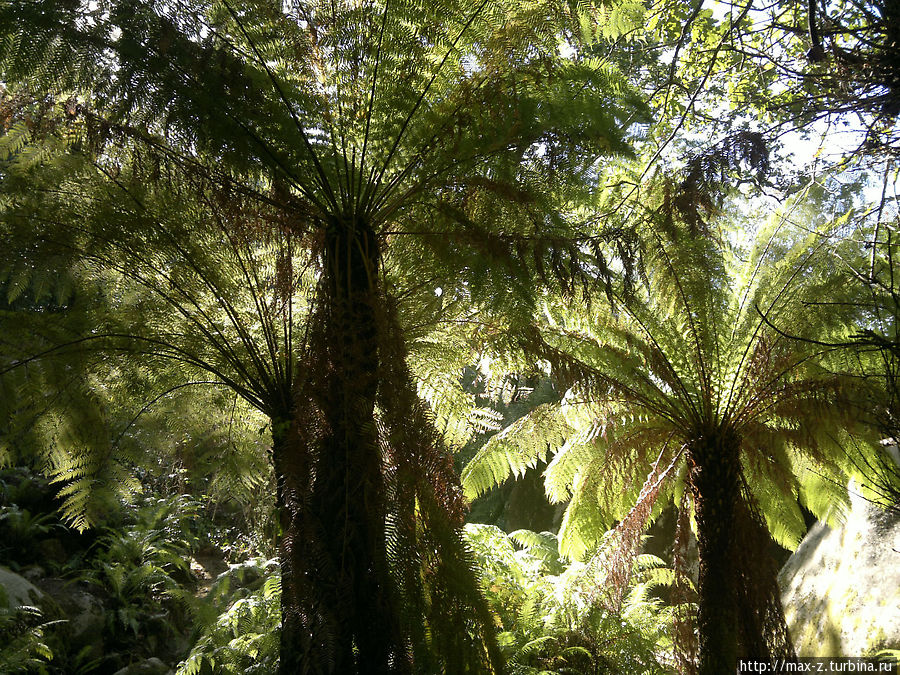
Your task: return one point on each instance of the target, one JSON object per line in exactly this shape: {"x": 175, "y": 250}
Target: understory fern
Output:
{"x": 550, "y": 615}
{"x": 23, "y": 647}
{"x": 244, "y": 636}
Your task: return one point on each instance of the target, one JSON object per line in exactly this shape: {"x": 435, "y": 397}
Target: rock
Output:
{"x": 208, "y": 563}
{"x": 841, "y": 588}
{"x": 152, "y": 666}
{"x": 34, "y": 572}
{"x": 84, "y": 612}
{"x": 16, "y": 590}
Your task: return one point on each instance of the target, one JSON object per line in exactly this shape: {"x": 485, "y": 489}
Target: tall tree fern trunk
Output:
{"x": 715, "y": 484}
{"x": 337, "y": 614}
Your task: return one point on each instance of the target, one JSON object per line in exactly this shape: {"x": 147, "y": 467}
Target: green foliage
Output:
{"x": 142, "y": 564}
{"x": 889, "y": 655}
{"x": 877, "y": 343}
{"x": 238, "y": 626}
{"x": 701, "y": 347}
{"x": 21, "y": 529}
{"x": 549, "y": 614}
{"x": 23, "y": 647}
{"x": 145, "y": 592}
{"x": 519, "y": 446}
{"x": 183, "y": 187}
{"x": 254, "y": 228}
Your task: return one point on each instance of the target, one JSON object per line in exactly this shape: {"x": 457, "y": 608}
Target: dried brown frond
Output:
{"x": 621, "y": 547}
{"x": 684, "y": 596}
{"x": 697, "y": 194}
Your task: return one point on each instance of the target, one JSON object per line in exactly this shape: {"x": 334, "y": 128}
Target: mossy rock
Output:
{"x": 151, "y": 666}
{"x": 17, "y": 591}
{"x": 841, "y": 588}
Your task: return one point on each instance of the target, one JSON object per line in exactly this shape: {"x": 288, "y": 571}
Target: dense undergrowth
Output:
{"x": 159, "y": 577}
{"x": 177, "y": 581}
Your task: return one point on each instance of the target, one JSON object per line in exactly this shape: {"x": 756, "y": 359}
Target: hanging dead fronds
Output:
{"x": 697, "y": 194}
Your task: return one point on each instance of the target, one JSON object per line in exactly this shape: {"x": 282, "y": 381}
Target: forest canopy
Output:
{"x": 300, "y": 286}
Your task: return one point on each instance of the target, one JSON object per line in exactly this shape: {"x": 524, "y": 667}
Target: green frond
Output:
{"x": 823, "y": 492}
{"x": 244, "y": 636}
{"x": 780, "y": 509}
{"x": 560, "y": 474}
{"x": 695, "y": 354}
{"x": 522, "y": 444}
{"x": 583, "y": 522}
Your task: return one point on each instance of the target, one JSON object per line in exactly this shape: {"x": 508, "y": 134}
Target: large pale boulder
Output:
{"x": 841, "y": 588}
{"x": 16, "y": 590}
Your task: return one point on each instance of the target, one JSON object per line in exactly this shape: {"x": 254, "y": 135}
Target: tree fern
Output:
{"x": 692, "y": 374}
{"x": 253, "y": 186}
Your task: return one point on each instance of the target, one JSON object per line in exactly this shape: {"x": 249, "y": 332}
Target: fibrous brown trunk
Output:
{"x": 739, "y": 606}
{"x": 715, "y": 486}
{"x": 337, "y": 614}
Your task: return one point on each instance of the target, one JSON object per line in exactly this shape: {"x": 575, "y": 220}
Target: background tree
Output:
{"x": 867, "y": 255}
{"x": 879, "y": 338}
{"x": 253, "y": 184}
{"x": 844, "y": 60}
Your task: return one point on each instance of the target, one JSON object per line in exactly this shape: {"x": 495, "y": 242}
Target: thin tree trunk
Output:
{"x": 715, "y": 484}
{"x": 337, "y": 613}
{"x": 291, "y": 475}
